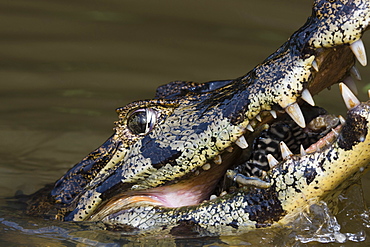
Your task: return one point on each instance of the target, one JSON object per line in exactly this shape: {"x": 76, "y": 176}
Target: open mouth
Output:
{"x": 246, "y": 146}
{"x": 273, "y": 136}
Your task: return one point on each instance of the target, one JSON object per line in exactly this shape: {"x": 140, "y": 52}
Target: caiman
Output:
{"x": 231, "y": 155}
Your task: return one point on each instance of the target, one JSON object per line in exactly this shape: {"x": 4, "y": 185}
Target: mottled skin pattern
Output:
{"x": 192, "y": 124}
{"x": 296, "y": 182}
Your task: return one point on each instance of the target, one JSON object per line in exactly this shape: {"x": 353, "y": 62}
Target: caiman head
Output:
{"x": 194, "y": 141}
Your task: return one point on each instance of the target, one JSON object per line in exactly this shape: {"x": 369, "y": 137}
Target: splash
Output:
{"x": 318, "y": 224}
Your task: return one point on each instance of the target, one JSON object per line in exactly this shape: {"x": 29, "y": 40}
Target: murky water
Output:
{"x": 66, "y": 65}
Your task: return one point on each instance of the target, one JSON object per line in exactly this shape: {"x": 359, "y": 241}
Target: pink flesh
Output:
{"x": 329, "y": 138}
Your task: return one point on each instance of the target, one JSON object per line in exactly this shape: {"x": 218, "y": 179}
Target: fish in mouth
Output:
{"x": 231, "y": 154}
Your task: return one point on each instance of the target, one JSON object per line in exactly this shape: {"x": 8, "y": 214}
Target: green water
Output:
{"x": 66, "y": 65}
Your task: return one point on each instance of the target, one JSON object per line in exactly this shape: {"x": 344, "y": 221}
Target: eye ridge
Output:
{"x": 142, "y": 121}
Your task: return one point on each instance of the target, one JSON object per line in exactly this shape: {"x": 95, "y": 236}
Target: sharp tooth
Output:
{"x": 341, "y": 119}
{"x": 306, "y": 96}
{"x": 250, "y": 128}
{"x": 242, "y": 143}
{"x": 273, "y": 113}
{"x": 355, "y": 73}
{"x": 294, "y": 111}
{"x": 368, "y": 93}
{"x": 285, "y": 151}
{"x": 206, "y": 166}
{"x": 217, "y": 160}
{"x": 212, "y": 197}
{"x": 272, "y": 161}
{"x": 223, "y": 193}
{"x": 315, "y": 66}
{"x": 358, "y": 49}
{"x": 303, "y": 152}
{"x": 230, "y": 149}
{"x": 349, "y": 98}
{"x": 258, "y": 117}
{"x": 351, "y": 84}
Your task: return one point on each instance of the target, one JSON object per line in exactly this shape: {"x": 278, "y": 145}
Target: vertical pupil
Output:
{"x": 138, "y": 122}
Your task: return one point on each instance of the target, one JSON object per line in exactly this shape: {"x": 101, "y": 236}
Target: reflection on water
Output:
{"x": 65, "y": 67}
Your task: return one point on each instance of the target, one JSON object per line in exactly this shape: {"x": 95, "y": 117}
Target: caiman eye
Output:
{"x": 142, "y": 121}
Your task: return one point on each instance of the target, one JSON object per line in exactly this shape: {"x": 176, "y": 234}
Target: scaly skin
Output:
{"x": 159, "y": 173}
{"x": 295, "y": 183}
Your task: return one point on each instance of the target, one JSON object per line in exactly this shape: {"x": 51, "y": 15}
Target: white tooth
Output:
{"x": 258, "y": 117}
{"x": 230, "y": 149}
{"x": 349, "y": 98}
{"x": 358, "y": 49}
{"x": 285, "y": 151}
{"x": 212, "y": 197}
{"x": 368, "y": 93}
{"x": 315, "y": 66}
{"x": 351, "y": 84}
{"x": 303, "y": 152}
{"x": 306, "y": 96}
{"x": 355, "y": 73}
{"x": 341, "y": 119}
{"x": 250, "y": 128}
{"x": 242, "y": 143}
{"x": 273, "y": 113}
{"x": 272, "y": 161}
{"x": 223, "y": 193}
{"x": 294, "y": 111}
{"x": 206, "y": 166}
{"x": 217, "y": 160}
